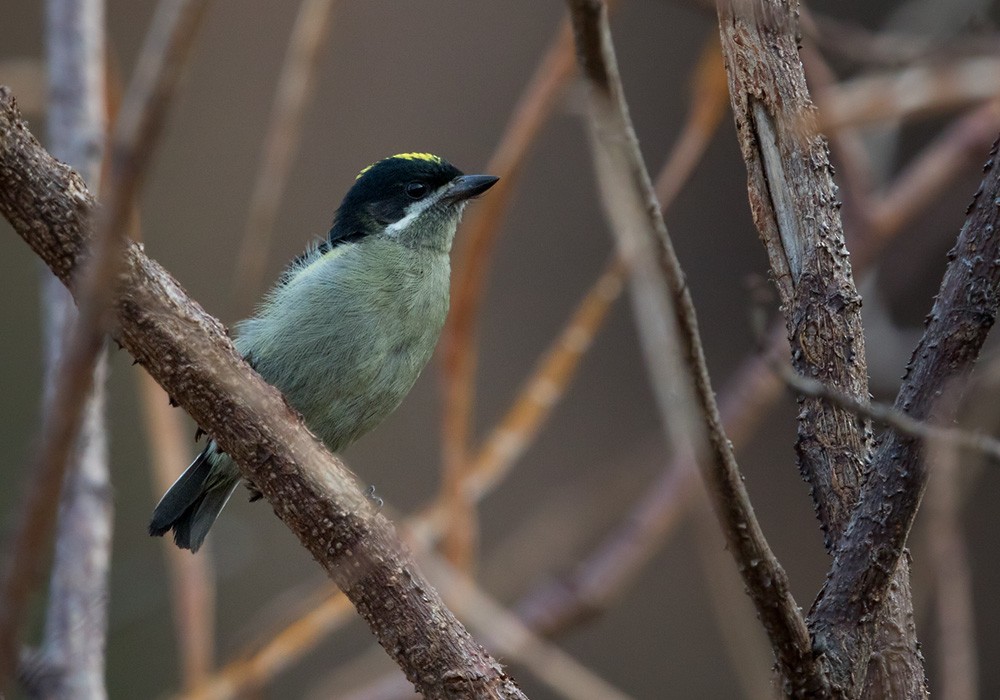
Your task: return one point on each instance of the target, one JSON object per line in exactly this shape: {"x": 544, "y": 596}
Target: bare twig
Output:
{"x": 546, "y": 385}
{"x": 708, "y": 105}
{"x": 855, "y": 169}
{"x": 604, "y": 573}
{"x": 138, "y": 127}
{"x": 887, "y": 415}
{"x": 796, "y": 210}
{"x": 744, "y": 401}
{"x": 472, "y": 258}
{"x": 295, "y": 87}
{"x": 189, "y": 353}
{"x": 795, "y": 207}
{"x": 662, "y": 299}
{"x": 964, "y": 311}
{"x": 191, "y": 578}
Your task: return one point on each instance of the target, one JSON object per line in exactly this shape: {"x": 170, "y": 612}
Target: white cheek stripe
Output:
{"x": 415, "y": 210}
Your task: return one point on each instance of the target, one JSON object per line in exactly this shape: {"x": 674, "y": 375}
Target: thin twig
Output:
{"x": 136, "y": 134}
{"x": 601, "y": 577}
{"x": 957, "y": 326}
{"x": 709, "y": 103}
{"x": 891, "y": 48}
{"x": 190, "y": 355}
{"x": 543, "y": 389}
{"x": 889, "y": 416}
{"x": 855, "y": 167}
{"x": 472, "y": 264}
{"x": 295, "y": 88}
{"x": 662, "y": 300}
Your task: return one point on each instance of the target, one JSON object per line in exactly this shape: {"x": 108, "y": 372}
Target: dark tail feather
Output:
{"x": 192, "y": 504}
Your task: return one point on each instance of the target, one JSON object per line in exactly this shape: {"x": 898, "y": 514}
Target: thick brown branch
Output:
{"x": 963, "y": 313}
{"x": 796, "y": 210}
{"x": 189, "y": 354}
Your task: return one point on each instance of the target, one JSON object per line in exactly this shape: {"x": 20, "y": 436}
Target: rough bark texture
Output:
{"x": 795, "y": 206}
{"x": 189, "y": 354}
{"x": 872, "y": 546}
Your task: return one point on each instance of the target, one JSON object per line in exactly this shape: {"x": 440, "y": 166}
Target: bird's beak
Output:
{"x": 468, "y": 186}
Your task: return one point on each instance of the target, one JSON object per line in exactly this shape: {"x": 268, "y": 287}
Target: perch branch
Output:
{"x": 189, "y": 354}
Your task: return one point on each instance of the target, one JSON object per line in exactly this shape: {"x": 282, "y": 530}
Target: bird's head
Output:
{"x": 415, "y": 198}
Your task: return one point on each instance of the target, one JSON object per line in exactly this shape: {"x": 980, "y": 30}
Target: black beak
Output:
{"x": 468, "y": 186}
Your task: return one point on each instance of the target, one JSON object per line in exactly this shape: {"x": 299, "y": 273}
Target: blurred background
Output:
{"x": 445, "y": 77}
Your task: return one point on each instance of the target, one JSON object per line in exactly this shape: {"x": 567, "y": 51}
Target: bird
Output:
{"x": 349, "y": 325}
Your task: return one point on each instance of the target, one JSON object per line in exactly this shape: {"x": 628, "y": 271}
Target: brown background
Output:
{"x": 443, "y": 77}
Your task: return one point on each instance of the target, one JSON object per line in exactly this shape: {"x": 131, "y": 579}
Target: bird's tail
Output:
{"x": 192, "y": 504}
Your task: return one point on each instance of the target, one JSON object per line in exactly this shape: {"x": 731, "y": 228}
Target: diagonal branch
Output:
{"x": 189, "y": 354}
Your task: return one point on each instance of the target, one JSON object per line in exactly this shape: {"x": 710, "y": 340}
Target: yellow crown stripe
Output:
{"x": 429, "y": 157}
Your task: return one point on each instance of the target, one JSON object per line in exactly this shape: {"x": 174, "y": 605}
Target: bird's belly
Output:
{"x": 346, "y": 379}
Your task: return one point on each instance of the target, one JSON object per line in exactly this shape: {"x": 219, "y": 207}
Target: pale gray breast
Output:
{"x": 346, "y": 339}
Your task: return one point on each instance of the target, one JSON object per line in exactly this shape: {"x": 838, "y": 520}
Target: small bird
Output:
{"x": 350, "y": 324}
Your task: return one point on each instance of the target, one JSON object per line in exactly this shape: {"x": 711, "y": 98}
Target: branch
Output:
{"x": 189, "y": 354}
{"x": 796, "y": 210}
{"x": 899, "y": 421}
{"x": 668, "y": 329}
{"x": 957, "y": 326}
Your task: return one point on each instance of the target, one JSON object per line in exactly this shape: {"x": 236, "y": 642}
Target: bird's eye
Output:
{"x": 416, "y": 190}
